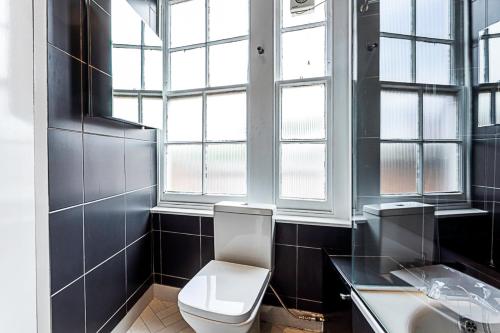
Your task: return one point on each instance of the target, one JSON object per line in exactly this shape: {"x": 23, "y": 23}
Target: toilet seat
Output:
{"x": 224, "y": 292}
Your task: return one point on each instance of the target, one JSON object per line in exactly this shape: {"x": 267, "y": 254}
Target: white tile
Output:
{"x": 153, "y": 323}
{"x": 167, "y": 312}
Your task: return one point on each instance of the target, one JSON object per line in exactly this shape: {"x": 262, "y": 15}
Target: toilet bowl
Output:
{"x": 226, "y": 294}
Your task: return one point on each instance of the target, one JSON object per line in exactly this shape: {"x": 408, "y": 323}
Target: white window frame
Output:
{"x": 263, "y": 119}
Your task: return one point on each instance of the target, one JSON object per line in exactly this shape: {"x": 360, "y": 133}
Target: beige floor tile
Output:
{"x": 173, "y": 318}
{"x": 175, "y": 327}
{"x": 187, "y": 330}
{"x": 152, "y": 322}
{"x": 169, "y": 304}
{"x": 167, "y": 312}
{"x": 156, "y": 305}
{"x": 138, "y": 327}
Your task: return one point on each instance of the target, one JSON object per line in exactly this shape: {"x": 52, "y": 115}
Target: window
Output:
{"x": 137, "y": 56}
{"x": 258, "y": 126}
{"x": 421, "y": 99}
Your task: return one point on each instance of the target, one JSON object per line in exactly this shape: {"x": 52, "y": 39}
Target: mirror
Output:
{"x": 137, "y": 68}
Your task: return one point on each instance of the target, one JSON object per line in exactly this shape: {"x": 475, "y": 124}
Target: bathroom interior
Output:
{"x": 250, "y": 166}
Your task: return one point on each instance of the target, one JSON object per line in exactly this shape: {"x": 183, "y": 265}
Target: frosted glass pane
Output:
{"x": 482, "y": 62}
{"x": 227, "y": 116}
{"x": 125, "y": 24}
{"x": 311, "y": 16}
{"x": 126, "y": 108}
{"x": 184, "y": 119}
{"x": 396, "y": 16}
{"x": 184, "y": 170}
{"x": 150, "y": 37}
{"x": 395, "y": 60}
{"x": 497, "y": 104}
{"x": 398, "y": 168}
{"x": 494, "y": 60}
{"x": 226, "y": 167}
{"x": 228, "y": 64}
{"x": 303, "y": 112}
{"x": 441, "y": 171}
{"x": 228, "y": 13}
{"x": 303, "y": 171}
{"x": 153, "y": 70}
{"x": 126, "y": 69}
{"x": 398, "y": 115}
{"x": 187, "y": 23}
{"x": 152, "y": 112}
{"x": 303, "y": 53}
{"x": 187, "y": 69}
{"x": 433, "y": 18}
{"x": 484, "y": 109}
{"x": 440, "y": 117}
{"x": 433, "y": 63}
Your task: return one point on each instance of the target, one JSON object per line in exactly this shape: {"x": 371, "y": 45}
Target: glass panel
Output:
{"x": 303, "y": 171}
{"x": 152, "y": 112}
{"x": 494, "y": 61}
{"x": 311, "y": 16}
{"x": 184, "y": 119}
{"x": 396, "y": 16}
{"x": 228, "y": 13}
{"x": 228, "y": 64}
{"x": 303, "y": 53}
{"x": 187, "y": 23}
{"x": 482, "y": 62}
{"x": 303, "y": 112}
{"x": 226, "y": 166}
{"x": 433, "y": 63}
{"x": 125, "y": 24}
{"x": 440, "y": 117}
{"x": 497, "y": 107}
{"x": 433, "y": 18}
{"x": 150, "y": 37}
{"x": 187, "y": 69}
{"x": 184, "y": 168}
{"x": 398, "y": 115}
{"x": 226, "y": 116}
{"x": 398, "y": 168}
{"x": 126, "y": 69}
{"x": 126, "y": 108}
{"x": 395, "y": 60}
{"x": 484, "y": 109}
{"x": 441, "y": 170}
{"x": 153, "y": 70}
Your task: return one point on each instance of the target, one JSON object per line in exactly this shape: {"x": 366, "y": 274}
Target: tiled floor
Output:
{"x": 164, "y": 317}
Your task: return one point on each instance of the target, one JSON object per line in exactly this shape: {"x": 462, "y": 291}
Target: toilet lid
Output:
{"x": 224, "y": 291}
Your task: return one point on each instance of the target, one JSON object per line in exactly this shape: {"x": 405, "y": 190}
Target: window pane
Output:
{"x": 184, "y": 119}
{"x": 433, "y": 63}
{"x": 303, "y": 53}
{"x": 184, "y": 168}
{"x": 150, "y": 37}
{"x": 228, "y": 64}
{"x": 228, "y": 13}
{"x": 398, "y": 115}
{"x": 152, "y": 112}
{"x": 433, "y": 18}
{"x": 482, "y": 62}
{"x": 187, "y": 69}
{"x": 398, "y": 168}
{"x": 440, "y": 117}
{"x": 484, "y": 109}
{"x": 187, "y": 23}
{"x": 226, "y": 116}
{"x": 126, "y": 108}
{"x": 395, "y": 60}
{"x": 396, "y": 16}
{"x": 125, "y": 24}
{"x": 494, "y": 61}
{"x": 226, "y": 166}
{"x": 289, "y": 19}
{"x": 126, "y": 69}
{"x": 303, "y": 171}
{"x": 441, "y": 170}
{"x": 153, "y": 70}
{"x": 303, "y": 112}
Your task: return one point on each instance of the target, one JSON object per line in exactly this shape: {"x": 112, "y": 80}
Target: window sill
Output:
{"x": 441, "y": 214}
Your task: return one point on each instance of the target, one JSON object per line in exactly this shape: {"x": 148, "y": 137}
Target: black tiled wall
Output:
{"x": 102, "y": 180}
{"x": 184, "y": 244}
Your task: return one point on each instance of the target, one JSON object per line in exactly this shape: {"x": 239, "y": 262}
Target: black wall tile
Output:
{"x": 105, "y": 291}
{"x": 139, "y": 292}
{"x": 101, "y": 103}
{"x": 140, "y": 157}
{"x": 104, "y": 230}
{"x": 63, "y": 26}
{"x": 138, "y": 205}
{"x": 105, "y": 4}
{"x": 180, "y": 223}
{"x": 478, "y": 167}
{"x": 65, "y": 169}
{"x": 173, "y": 281}
{"x": 207, "y": 226}
{"x": 139, "y": 266}
{"x": 145, "y": 134}
{"x": 117, "y": 317}
{"x": 64, "y": 91}
{"x": 338, "y": 239}
{"x": 207, "y": 250}
{"x": 310, "y": 272}
{"x": 284, "y": 278}
{"x": 100, "y": 38}
{"x": 104, "y": 167}
{"x": 157, "y": 251}
{"x": 182, "y": 257}
{"x": 308, "y": 305}
{"x": 286, "y": 233}
{"x": 68, "y": 309}
{"x": 66, "y": 247}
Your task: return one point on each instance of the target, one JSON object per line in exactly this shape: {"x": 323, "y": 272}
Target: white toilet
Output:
{"x": 225, "y": 295}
